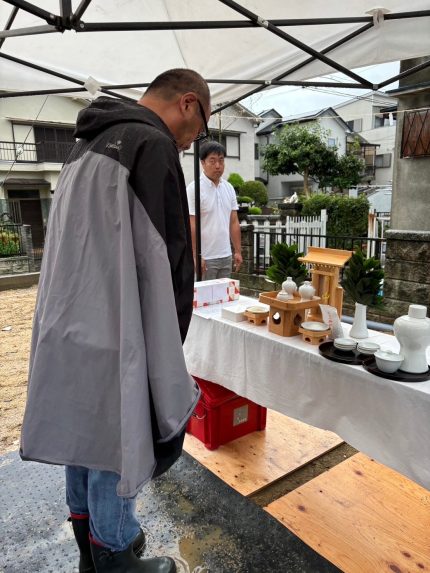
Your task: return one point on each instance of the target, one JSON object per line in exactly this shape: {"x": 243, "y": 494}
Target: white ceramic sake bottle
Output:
{"x": 413, "y": 333}
{"x": 307, "y": 291}
{"x": 289, "y": 286}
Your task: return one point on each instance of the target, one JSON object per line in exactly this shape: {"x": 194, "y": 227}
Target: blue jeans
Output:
{"x": 113, "y": 521}
{"x": 218, "y": 268}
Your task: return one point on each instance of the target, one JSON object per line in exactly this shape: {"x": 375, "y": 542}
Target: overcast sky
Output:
{"x": 294, "y": 100}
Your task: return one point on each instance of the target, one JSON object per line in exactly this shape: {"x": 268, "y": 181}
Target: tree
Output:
{"x": 349, "y": 170}
{"x": 302, "y": 149}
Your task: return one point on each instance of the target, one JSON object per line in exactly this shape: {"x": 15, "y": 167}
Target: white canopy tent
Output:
{"x": 237, "y": 46}
{"x": 119, "y": 46}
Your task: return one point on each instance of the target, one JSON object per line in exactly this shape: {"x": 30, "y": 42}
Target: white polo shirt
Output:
{"x": 216, "y": 204}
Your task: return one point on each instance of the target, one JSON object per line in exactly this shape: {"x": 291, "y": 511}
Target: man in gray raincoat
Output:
{"x": 109, "y": 394}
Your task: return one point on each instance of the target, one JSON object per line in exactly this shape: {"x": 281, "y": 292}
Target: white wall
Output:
{"x": 231, "y": 120}
{"x": 383, "y": 136}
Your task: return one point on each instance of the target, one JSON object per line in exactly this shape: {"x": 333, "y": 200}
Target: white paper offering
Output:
{"x": 330, "y": 317}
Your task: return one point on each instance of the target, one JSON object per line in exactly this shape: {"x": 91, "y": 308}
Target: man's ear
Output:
{"x": 186, "y": 100}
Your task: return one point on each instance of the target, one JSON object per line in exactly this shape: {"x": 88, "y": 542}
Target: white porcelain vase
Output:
{"x": 359, "y": 325}
{"x": 289, "y": 286}
{"x": 413, "y": 333}
{"x": 307, "y": 291}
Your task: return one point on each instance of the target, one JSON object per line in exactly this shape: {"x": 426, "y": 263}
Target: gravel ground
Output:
{"x": 16, "y": 317}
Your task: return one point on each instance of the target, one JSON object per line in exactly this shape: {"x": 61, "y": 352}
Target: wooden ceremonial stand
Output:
{"x": 326, "y": 264}
{"x": 286, "y": 316}
{"x": 257, "y": 318}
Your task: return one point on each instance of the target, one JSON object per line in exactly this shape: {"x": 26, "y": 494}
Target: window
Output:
{"x": 355, "y": 124}
{"x": 416, "y": 134}
{"x": 53, "y": 143}
{"x": 383, "y": 160}
{"x": 331, "y": 142}
{"x": 256, "y": 151}
{"x": 378, "y": 121}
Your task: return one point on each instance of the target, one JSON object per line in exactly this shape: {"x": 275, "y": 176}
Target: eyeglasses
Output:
{"x": 203, "y": 134}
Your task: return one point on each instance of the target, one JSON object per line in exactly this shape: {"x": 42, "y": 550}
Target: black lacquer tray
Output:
{"x": 328, "y": 350}
{"x": 370, "y": 365}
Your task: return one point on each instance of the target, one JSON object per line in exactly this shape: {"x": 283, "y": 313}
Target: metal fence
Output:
{"x": 263, "y": 241}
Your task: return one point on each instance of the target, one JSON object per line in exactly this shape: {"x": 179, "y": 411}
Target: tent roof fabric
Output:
{"x": 224, "y": 40}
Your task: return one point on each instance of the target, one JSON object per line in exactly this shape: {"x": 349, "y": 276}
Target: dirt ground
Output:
{"x": 16, "y": 317}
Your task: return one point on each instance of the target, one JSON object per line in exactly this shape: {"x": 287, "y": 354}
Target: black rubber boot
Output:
{"x": 106, "y": 561}
{"x": 81, "y": 529}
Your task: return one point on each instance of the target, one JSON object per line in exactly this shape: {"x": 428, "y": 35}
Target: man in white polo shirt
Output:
{"x": 218, "y": 211}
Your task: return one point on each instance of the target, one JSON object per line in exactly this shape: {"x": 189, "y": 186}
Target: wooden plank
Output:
{"x": 252, "y": 462}
{"x": 361, "y": 516}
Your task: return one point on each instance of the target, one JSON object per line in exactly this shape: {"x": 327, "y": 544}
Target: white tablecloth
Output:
{"x": 385, "y": 419}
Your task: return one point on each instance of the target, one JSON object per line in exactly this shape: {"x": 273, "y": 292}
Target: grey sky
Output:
{"x": 295, "y": 100}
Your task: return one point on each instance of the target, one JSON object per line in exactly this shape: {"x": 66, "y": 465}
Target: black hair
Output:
{"x": 179, "y": 81}
{"x": 209, "y": 147}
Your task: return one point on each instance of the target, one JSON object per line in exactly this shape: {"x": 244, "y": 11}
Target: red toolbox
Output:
{"x": 222, "y": 416}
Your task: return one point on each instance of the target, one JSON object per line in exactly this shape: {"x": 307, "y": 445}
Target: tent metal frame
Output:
{"x": 72, "y": 21}
{"x": 67, "y": 20}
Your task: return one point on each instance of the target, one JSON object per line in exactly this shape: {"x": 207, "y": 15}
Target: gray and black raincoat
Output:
{"x": 108, "y": 386}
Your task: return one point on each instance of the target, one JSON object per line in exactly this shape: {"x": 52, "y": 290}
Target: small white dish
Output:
{"x": 344, "y": 344}
{"x": 257, "y": 309}
{"x": 315, "y": 326}
{"x": 368, "y": 348}
{"x": 388, "y": 361}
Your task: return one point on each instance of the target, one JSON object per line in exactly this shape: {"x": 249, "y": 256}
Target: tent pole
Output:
{"x": 35, "y": 10}
{"x": 198, "y": 237}
{"x": 58, "y": 75}
{"x": 290, "y": 39}
{"x": 228, "y": 24}
{"x": 301, "y": 65}
{"x": 9, "y": 22}
{"x": 32, "y": 31}
{"x": 79, "y": 12}
{"x": 405, "y": 74}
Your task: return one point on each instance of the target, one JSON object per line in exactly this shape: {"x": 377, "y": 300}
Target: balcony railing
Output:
{"x": 20, "y": 152}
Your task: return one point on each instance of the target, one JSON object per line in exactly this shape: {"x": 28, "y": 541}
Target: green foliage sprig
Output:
{"x": 286, "y": 264}
{"x": 362, "y": 280}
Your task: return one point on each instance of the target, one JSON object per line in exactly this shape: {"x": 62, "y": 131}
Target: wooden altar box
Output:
{"x": 287, "y": 316}
{"x": 222, "y": 416}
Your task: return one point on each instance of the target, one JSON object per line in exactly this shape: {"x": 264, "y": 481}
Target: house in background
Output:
{"x": 373, "y": 117}
{"x": 339, "y": 134}
{"x": 234, "y": 127}
{"x": 36, "y": 135}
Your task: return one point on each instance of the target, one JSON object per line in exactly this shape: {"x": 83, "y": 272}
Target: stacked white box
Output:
{"x": 215, "y": 291}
